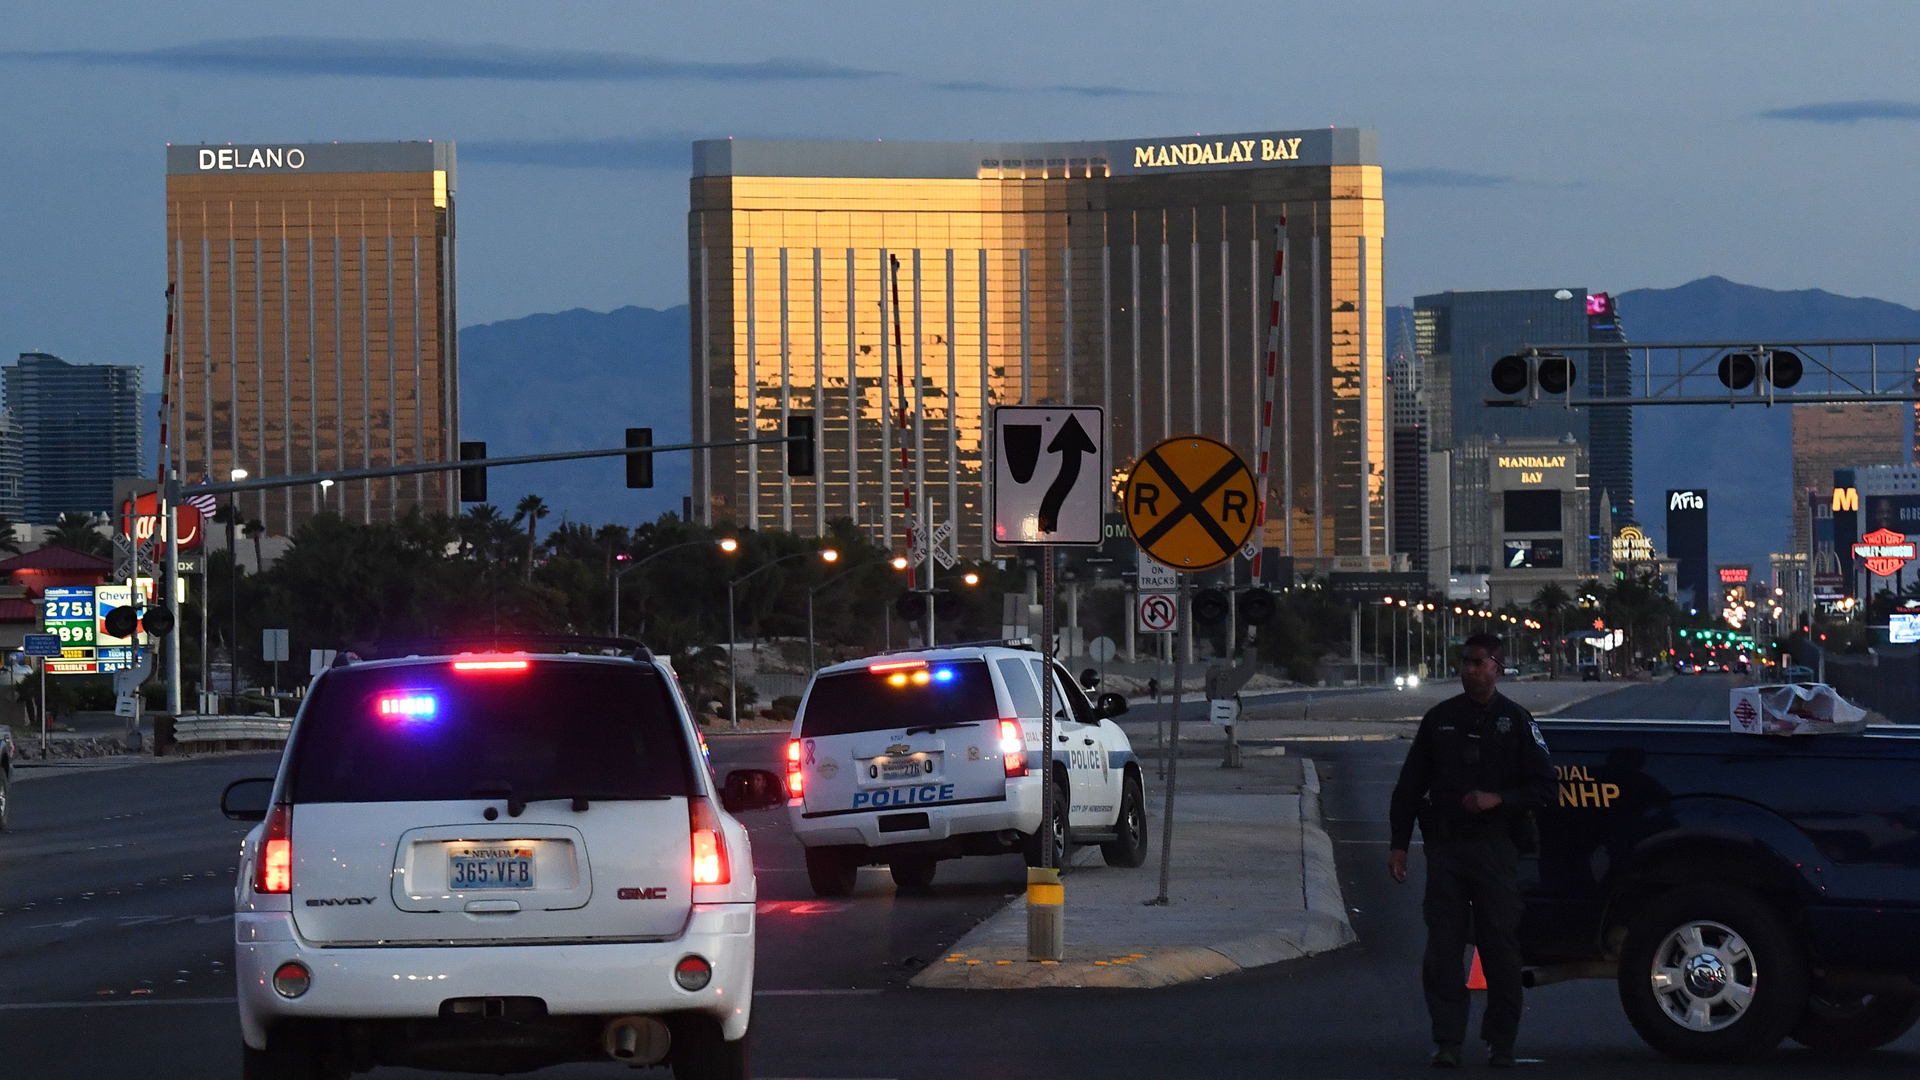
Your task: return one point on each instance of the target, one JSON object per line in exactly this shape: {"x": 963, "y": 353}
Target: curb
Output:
{"x": 1324, "y": 928}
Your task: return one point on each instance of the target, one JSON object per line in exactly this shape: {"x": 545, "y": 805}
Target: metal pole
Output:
{"x": 1046, "y": 707}
{"x": 1172, "y": 756}
{"x": 811, "y": 666}
{"x": 233, "y": 606}
{"x": 923, "y": 536}
{"x": 171, "y": 522}
{"x": 43, "y": 705}
{"x": 733, "y": 685}
{"x": 617, "y": 575}
{"x": 1046, "y": 899}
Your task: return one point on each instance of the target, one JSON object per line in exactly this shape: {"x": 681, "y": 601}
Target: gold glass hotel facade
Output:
{"x": 1136, "y": 275}
{"x": 314, "y": 320}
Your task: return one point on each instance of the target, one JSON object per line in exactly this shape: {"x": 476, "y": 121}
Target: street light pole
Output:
{"x": 733, "y": 680}
{"x": 727, "y": 544}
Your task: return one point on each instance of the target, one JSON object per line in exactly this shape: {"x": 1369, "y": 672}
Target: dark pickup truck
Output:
{"x": 1740, "y": 889}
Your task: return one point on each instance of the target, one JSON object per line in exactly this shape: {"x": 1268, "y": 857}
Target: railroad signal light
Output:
{"x": 1780, "y": 367}
{"x": 473, "y": 481}
{"x": 1548, "y": 373}
{"x": 640, "y": 466}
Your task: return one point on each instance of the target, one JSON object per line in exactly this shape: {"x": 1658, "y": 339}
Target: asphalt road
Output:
{"x": 114, "y": 945}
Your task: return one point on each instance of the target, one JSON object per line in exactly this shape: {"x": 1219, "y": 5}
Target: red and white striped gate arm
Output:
{"x": 1263, "y": 445}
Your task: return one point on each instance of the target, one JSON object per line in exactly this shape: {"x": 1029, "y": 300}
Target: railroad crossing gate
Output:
{"x": 1191, "y": 503}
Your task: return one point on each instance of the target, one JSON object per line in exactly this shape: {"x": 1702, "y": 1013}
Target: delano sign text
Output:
{"x": 260, "y": 157}
{"x": 1218, "y": 152}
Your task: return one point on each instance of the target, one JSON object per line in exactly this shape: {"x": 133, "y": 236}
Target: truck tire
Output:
{"x": 1030, "y": 846}
{"x": 294, "y": 1052}
{"x": 1857, "y": 1026}
{"x": 913, "y": 874}
{"x": 701, "y": 1053}
{"x": 1128, "y": 848}
{"x": 831, "y": 872}
{"x": 6, "y": 798}
{"x": 1691, "y": 975}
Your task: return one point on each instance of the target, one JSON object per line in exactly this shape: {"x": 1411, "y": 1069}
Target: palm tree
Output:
{"x": 8, "y": 545}
{"x": 1550, "y": 602}
{"x": 254, "y": 530}
{"x": 78, "y": 531}
{"x": 531, "y": 510}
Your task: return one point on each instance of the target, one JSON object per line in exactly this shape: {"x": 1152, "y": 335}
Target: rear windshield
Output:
{"x": 552, "y": 730}
{"x": 945, "y": 693}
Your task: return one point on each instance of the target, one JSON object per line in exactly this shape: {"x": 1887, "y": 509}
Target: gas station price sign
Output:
{"x": 70, "y": 616}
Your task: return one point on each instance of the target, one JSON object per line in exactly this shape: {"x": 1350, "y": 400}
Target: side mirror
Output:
{"x": 752, "y": 789}
{"x": 1089, "y": 679}
{"x": 247, "y": 800}
{"x": 1112, "y": 705}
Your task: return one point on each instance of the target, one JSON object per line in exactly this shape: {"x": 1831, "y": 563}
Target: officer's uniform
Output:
{"x": 1472, "y": 859}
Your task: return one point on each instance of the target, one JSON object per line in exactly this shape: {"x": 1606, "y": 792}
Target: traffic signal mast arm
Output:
{"x": 267, "y": 483}
{"x": 1751, "y": 372}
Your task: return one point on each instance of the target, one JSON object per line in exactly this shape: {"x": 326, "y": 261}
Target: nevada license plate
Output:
{"x": 509, "y": 866}
{"x": 906, "y": 770}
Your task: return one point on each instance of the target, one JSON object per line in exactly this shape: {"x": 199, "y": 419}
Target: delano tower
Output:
{"x": 315, "y": 318}
{"x": 1134, "y": 274}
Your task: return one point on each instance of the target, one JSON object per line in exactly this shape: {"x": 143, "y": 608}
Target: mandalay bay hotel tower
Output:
{"x": 314, "y": 321}
{"x": 834, "y": 279}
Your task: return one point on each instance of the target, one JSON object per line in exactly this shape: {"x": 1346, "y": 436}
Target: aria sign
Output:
{"x": 1884, "y": 551}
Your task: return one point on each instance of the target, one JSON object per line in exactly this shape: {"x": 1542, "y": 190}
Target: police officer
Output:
{"x": 1478, "y": 765}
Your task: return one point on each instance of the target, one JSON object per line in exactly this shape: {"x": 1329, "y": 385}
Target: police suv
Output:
{"x": 910, "y": 758}
{"x": 494, "y": 861}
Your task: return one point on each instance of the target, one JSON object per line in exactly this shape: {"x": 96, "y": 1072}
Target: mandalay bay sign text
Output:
{"x": 1218, "y": 152}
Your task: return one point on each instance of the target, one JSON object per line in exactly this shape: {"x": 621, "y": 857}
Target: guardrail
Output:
{"x": 209, "y": 732}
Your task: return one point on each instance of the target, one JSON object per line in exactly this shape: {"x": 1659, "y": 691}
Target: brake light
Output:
{"x": 794, "y": 783}
{"x": 273, "y": 870}
{"x": 1013, "y": 748}
{"x": 896, "y": 665}
{"x": 490, "y": 665}
{"x": 709, "y": 850}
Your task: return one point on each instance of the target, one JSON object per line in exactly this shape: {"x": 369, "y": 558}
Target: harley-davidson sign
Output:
{"x": 1884, "y": 551}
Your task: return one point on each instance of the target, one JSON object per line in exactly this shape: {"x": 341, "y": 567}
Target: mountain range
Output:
{"x": 577, "y": 379}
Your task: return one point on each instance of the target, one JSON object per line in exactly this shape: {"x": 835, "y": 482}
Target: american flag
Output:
{"x": 204, "y": 503}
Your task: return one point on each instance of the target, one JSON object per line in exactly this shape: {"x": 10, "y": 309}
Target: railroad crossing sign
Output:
{"x": 1158, "y": 612}
{"x": 1049, "y": 475}
{"x": 1190, "y": 502}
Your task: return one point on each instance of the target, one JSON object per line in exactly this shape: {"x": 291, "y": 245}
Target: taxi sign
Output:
{"x": 1190, "y": 502}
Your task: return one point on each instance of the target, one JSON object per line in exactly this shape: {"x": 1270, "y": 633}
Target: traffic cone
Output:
{"x": 1476, "y": 979}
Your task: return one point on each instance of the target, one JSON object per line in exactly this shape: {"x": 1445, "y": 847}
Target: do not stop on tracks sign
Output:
{"x": 1190, "y": 503}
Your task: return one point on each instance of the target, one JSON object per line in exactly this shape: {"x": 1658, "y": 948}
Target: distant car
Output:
{"x": 494, "y": 862}
{"x": 1589, "y": 671}
{"x": 1799, "y": 673}
{"x": 1510, "y": 670}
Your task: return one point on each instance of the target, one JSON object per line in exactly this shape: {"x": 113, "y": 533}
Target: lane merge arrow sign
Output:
{"x": 1049, "y": 475}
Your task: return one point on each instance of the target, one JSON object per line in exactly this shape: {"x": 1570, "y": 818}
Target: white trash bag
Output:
{"x": 1793, "y": 709}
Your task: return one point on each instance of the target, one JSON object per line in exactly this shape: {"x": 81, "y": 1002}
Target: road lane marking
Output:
{"x": 816, "y": 993}
{"x": 32, "y": 1006}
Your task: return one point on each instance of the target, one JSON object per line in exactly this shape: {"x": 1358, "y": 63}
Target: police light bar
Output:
{"x": 895, "y": 665}
{"x": 406, "y": 705}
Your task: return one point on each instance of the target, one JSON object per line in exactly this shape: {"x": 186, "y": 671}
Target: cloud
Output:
{"x": 974, "y": 87}
{"x": 1445, "y": 178}
{"x": 666, "y": 153}
{"x": 1846, "y": 112}
{"x": 415, "y": 59}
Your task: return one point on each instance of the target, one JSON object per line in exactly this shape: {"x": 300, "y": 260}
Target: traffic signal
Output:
{"x": 473, "y": 482}
{"x": 1548, "y": 373}
{"x": 158, "y": 621}
{"x": 639, "y": 466}
{"x": 1256, "y": 605}
{"x": 1210, "y": 606}
{"x": 1780, "y": 367}
{"x": 121, "y": 622}
{"x": 800, "y": 448}
{"x": 911, "y": 606}
{"x": 946, "y": 604}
